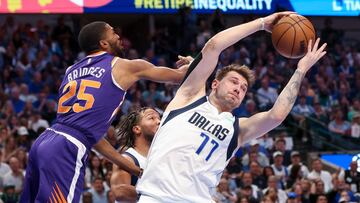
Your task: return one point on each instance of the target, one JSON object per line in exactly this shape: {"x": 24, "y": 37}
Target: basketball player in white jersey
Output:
{"x": 198, "y": 134}
{"x": 135, "y": 134}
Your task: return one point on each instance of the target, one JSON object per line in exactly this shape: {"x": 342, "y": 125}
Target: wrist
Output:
{"x": 140, "y": 173}
{"x": 262, "y": 24}
{"x": 301, "y": 70}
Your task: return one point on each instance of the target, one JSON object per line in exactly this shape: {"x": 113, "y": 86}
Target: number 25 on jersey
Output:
{"x": 80, "y": 94}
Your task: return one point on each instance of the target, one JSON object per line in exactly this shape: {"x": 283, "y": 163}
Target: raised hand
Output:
{"x": 312, "y": 56}
{"x": 271, "y": 20}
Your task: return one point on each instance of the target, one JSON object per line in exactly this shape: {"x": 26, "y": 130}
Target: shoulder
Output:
{"x": 128, "y": 157}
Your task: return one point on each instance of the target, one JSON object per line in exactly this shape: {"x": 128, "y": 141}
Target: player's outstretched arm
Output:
{"x": 127, "y": 72}
{"x": 263, "y": 122}
{"x": 120, "y": 182}
{"x": 108, "y": 151}
{"x": 204, "y": 64}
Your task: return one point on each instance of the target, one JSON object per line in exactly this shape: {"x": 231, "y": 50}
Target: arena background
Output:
{"x": 35, "y": 49}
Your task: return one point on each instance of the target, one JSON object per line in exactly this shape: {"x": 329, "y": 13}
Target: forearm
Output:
{"x": 124, "y": 193}
{"x": 230, "y": 36}
{"x": 287, "y": 97}
{"x": 108, "y": 151}
{"x": 165, "y": 74}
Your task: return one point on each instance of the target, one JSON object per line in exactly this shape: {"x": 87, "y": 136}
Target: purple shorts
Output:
{"x": 56, "y": 168}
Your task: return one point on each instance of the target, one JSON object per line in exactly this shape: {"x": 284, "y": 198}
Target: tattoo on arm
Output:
{"x": 288, "y": 96}
{"x": 294, "y": 86}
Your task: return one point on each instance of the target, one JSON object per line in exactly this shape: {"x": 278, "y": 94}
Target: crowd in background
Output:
{"x": 33, "y": 58}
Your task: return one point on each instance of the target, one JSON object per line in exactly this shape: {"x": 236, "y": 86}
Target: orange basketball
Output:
{"x": 291, "y": 34}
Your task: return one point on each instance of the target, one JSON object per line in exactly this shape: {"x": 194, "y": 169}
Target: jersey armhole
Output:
{"x": 113, "y": 61}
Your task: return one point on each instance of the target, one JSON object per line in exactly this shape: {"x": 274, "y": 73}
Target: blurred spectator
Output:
{"x": 110, "y": 196}
{"x": 354, "y": 109}
{"x": 223, "y": 194}
{"x": 318, "y": 173}
{"x": 246, "y": 181}
{"x": 36, "y": 122}
{"x": 320, "y": 114}
{"x": 278, "y": 195}
{"x": 338, "y": 124}
{"x": 280, "y": 170}
{"x": 267, "y": 172}
{"x": 4, "y": 169}
{"x": 257, "y": 176}
{"x": 317, "y": 189}
{"x": 9, "y": 195}
{"x": 280, "y": 145}
{"x": 302, "y": 109}
{"x": 321, "y": 199}
{"x": 87, "y": 197}
{"x": 296, "y": 160}
{"x": 266, "y": 95}
{"x": 355, "y": 126}
{"x": 151, "y": 94}
{"x": 255, "y": 155}
{"x": 98, "y": 191}
{"x": 295, "y": 176}
{"x": 300, "y": 196}
{"x": 94, "y": 170}
{"x": 234, "y": 166}
{"x": 15, "y": 177}
{"x": 250, "y": 109}
{"x": 352, "y": 177}
{"x": 16, "y": 101}
{"x": 306, "y": 189}
{"x": 300, "y": 112}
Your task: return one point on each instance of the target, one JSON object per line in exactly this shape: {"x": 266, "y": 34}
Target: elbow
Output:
{"x": 123, "y": 192}
{"x": 119, "y": 195}
{"x": 277, "y": 117}
{"x": 213, "y": 45}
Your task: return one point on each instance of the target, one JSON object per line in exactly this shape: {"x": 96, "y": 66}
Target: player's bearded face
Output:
{"x": 150, "y": 123}
{"x": 116, "y": 47}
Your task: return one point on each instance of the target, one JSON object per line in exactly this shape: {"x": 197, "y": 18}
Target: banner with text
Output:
{"x": 303, "y": 7}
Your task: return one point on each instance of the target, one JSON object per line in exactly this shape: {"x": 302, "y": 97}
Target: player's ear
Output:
{"x": 214, "y": 84}
{"x": 103, "y": 43}
{"x": 136, "y": 129}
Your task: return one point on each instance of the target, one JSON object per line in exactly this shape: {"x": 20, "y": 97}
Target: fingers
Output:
{"x": 322, "y": 54}
{"x": 309, "y": 46}
{"x": 321, "y": 49}
{"x": 181, "y": 57}
{"x": 315, "y": 47}
{"x": 285, "y": 13}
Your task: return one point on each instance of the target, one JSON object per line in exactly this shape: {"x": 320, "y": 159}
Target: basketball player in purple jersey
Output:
{"x": 89, "y": 97}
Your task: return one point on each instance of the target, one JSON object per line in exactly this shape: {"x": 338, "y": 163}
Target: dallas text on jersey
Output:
{"x": 203, "y": 123}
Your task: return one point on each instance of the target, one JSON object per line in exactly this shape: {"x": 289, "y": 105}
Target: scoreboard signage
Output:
{"x": 303, "y": 7}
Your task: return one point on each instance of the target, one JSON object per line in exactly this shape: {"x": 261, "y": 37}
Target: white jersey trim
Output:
{"x": 115, "y": 59}
{"x": 81, "y": 152}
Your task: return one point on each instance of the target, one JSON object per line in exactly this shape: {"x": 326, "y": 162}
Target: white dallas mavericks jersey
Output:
{"x": 138, "y": 159}
{"x": 189, "y": 153}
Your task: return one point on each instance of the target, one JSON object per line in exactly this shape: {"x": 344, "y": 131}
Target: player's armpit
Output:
{"x": 256, "y": 126}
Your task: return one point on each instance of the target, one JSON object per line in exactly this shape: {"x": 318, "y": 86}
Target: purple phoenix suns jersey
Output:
{"x": 89, "y": 97}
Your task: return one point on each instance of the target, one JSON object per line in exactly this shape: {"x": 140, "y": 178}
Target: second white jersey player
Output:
{"x": 189, "y": 153}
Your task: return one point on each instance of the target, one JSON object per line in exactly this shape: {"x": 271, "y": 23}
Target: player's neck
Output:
{"x": 217, "y": 104}
{"x": 142, "y": 146}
